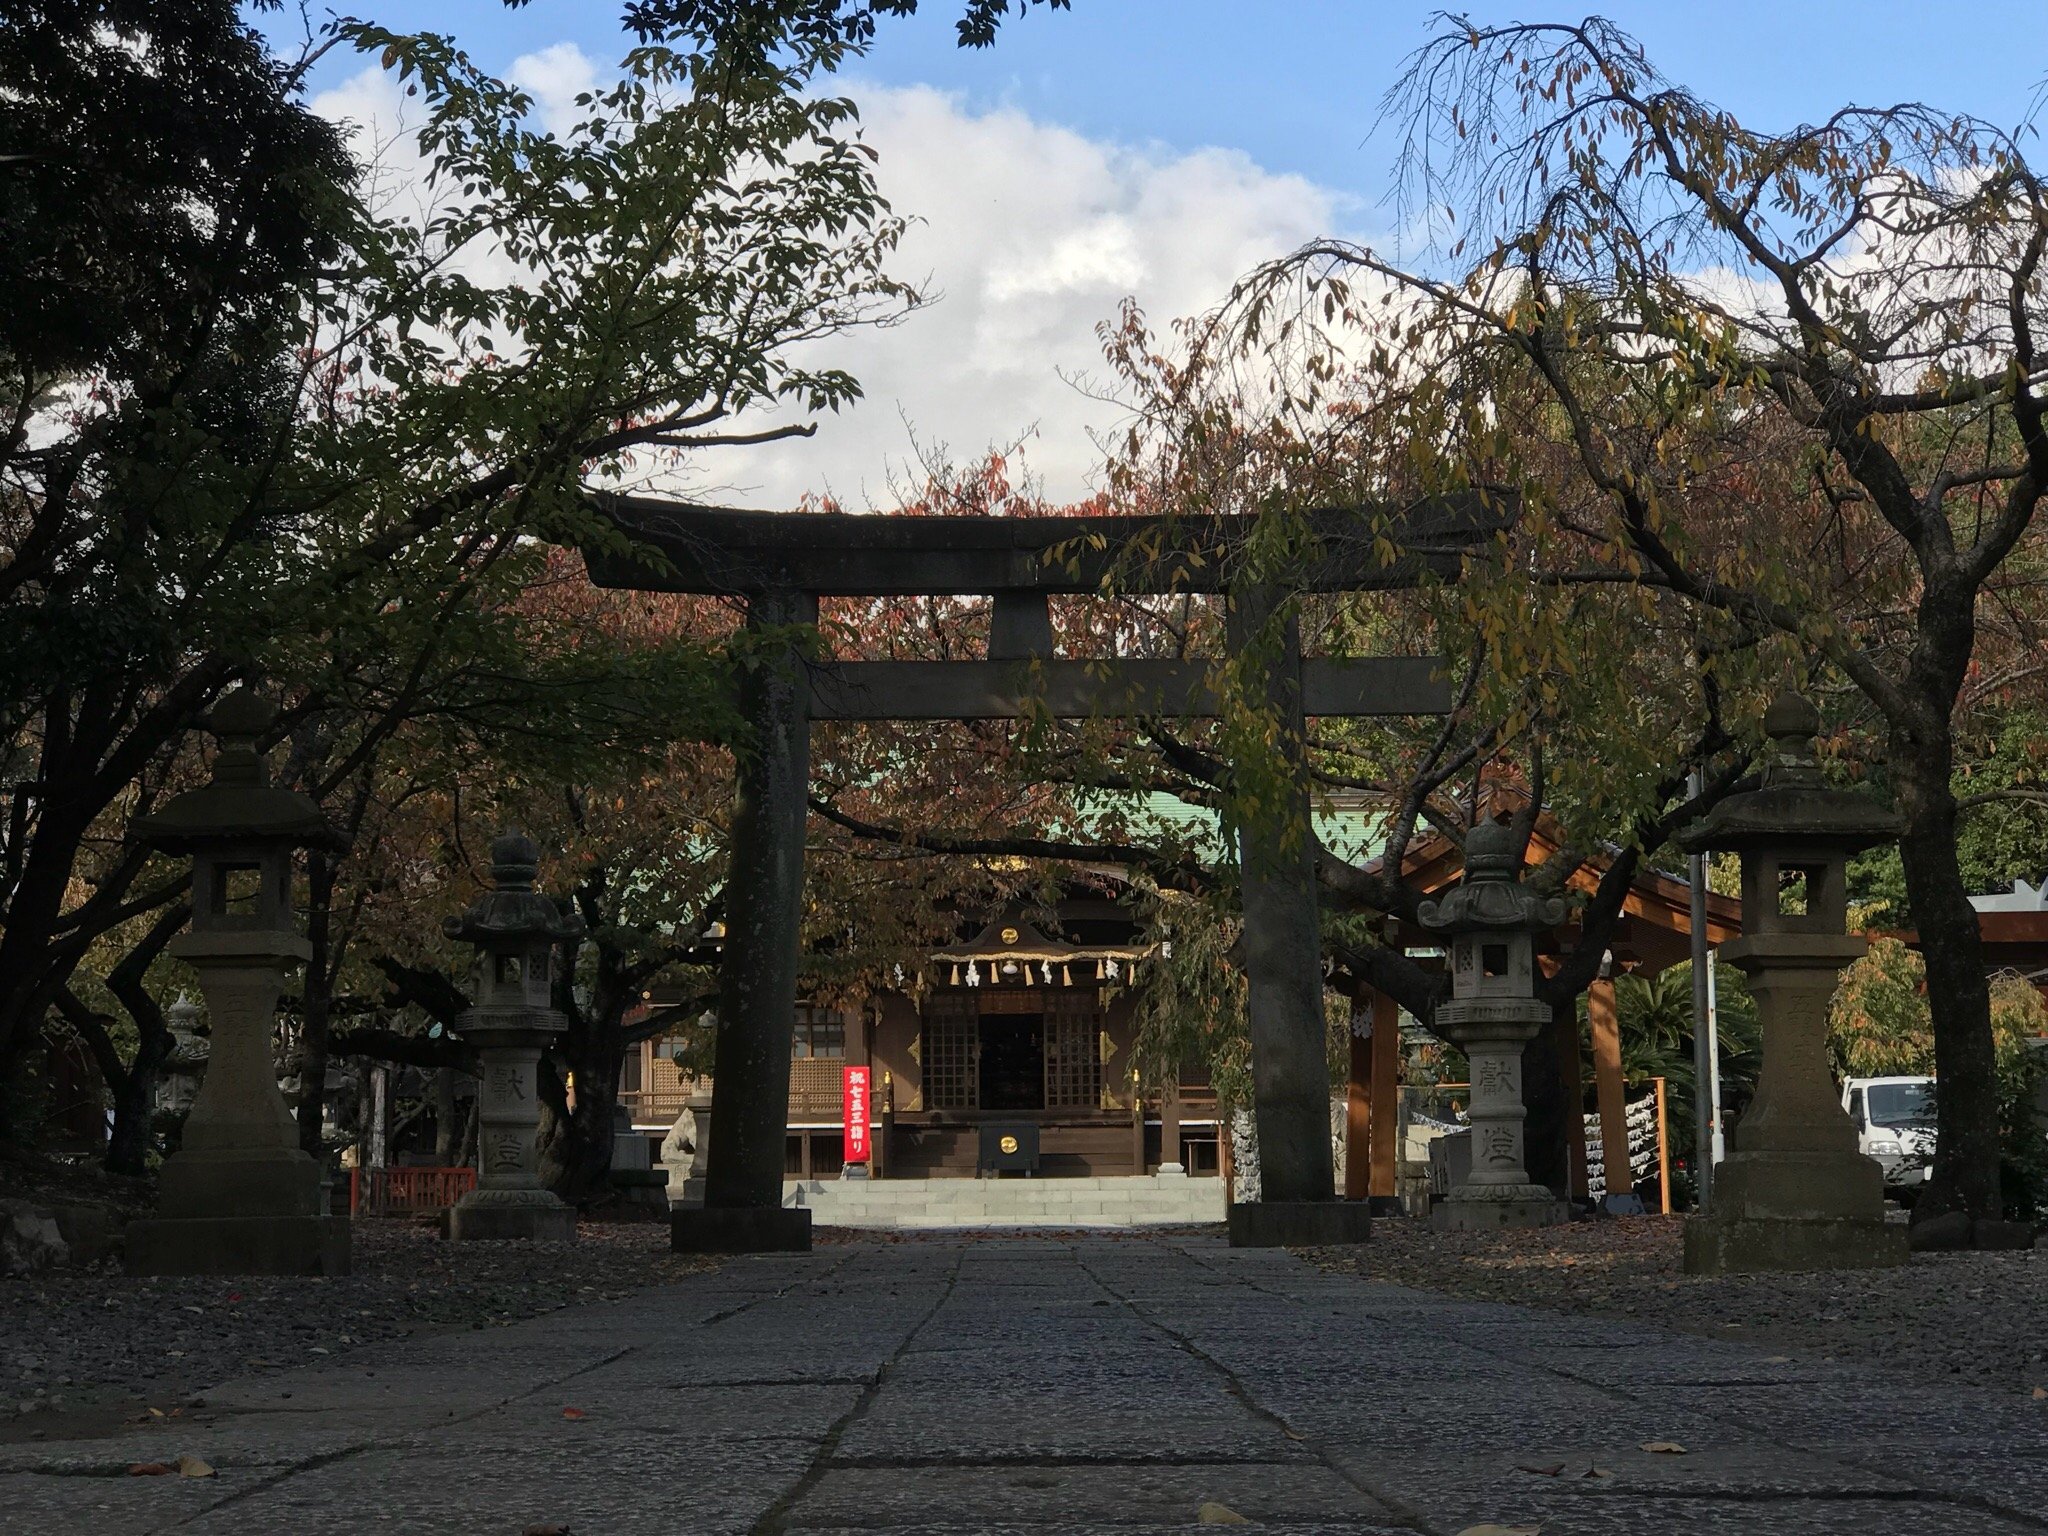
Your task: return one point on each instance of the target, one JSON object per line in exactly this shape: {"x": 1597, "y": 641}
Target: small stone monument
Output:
{"x": 239, "y": 1197}
{"x": 685, "y": 1152}
{"x": 1492, "y": 920}
{"x": 511, "y": 1020}
{"x": 1794, "y": 1193}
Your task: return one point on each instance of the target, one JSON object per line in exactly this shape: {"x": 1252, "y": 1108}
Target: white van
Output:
{"x": 1895, "y": 1124}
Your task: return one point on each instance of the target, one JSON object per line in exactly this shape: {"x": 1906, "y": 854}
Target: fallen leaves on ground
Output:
{"x": 193, "y": 1466}
{"x": 1548, "y": 1469}
{"x": 151, "y": 1469}
{"x": 546, "y": 1530}
{"x": 1664, "y": 1448}
{"x": 574, "y": 1413}
{"x": 1219, "y": 1514}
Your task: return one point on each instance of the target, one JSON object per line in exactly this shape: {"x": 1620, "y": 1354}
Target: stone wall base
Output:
{"x": 1538, "y": 1208}
{"x": 512, "y": 1223}
{"x": 1298, "y": 1223}
{"x": 237, "y": 1245}
{"x": 746, "y": 1229}
{"x": 1737, "y": 1245}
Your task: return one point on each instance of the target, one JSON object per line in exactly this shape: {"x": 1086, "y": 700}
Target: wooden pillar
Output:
{"x": 885, "y": 1125}
{"x": 1604, "y": 1028}
{"x": 1358, "y": 1103}
{"x": 764, "y": 906}
{"x": 1386, "y": 1097}
{"x": 1282, "y": 940}
{"x": 1373, "y": 1101}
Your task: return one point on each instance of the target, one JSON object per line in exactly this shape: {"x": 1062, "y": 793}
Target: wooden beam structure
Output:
{"x": 1138, "y": 688}
{"x": 782, "y": 563}
{"x": 680, "y": 548}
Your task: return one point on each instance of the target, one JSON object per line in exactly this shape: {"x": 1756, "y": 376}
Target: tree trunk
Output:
{"x": 319, "y": 1004}
{"x": 1966, "y": 1158}
{"x": 575, "y": 1146}
{"x": 447, "y": 1134}
{"x": 1545, "y": 1098}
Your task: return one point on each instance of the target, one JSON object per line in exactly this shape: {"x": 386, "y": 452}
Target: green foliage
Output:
{"x": 1880, "y": 1025}
{"x": 1654, "y": 1015}
{"x": 290, "y": 435}
{"x": 818, "y": 23}
{"x": 1191, "y": 1008}
{"x": 2002, "y": 835}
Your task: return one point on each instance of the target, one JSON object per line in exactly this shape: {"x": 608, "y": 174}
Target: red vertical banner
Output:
{"x": 855, "y": 1083}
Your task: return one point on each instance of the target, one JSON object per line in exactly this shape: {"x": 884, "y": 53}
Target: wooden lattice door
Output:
{"x": 1073, "y": 1058}
{"x": 952, "y": 1058}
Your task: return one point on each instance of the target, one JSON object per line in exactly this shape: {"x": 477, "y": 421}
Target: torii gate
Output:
{"x": 782, "y": 563}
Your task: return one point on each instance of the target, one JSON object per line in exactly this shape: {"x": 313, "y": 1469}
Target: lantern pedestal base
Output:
{"x": 251, "y": 1183}
{"x": 740, "y": 1229}
{"x": 1298, "y": 1223}
{"x": 537, "y": 1218}
{"x": 238, "y": 1245}
{"x": 1489, "y": 1208}
{"x": 1741, "y": 1245}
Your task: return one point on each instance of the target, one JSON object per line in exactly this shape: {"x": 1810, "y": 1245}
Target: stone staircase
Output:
{"x": 1111, "y": 1201}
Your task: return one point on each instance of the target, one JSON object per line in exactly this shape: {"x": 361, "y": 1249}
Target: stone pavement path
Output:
{"x": 1026, "y": 1384}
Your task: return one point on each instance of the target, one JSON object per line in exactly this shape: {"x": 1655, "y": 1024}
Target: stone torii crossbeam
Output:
{"x": 782, "y": 563}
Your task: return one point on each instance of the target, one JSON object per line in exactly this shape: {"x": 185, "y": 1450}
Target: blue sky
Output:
{"x": 1159, "y": 148}
{"x": 1297, "y": 87}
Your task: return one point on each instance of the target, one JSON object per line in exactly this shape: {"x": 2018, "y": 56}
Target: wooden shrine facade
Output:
{"x": 1014, "y": 1027}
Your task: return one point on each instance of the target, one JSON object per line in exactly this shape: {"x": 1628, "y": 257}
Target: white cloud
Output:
{"x": 1029, "y": 235}
{"x": 554, "y": 78}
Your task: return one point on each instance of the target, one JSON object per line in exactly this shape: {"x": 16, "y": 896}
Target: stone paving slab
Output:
{"x": 1041, "y": 1384}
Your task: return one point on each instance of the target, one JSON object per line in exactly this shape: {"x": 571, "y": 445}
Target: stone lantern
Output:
{"x": 179, "y": 1077}
{"x": 1492, "y": 920}
{"x": 515, "y": 930}
{"x": 1795, "y": 1193}
{"x": 239, "y": 1196}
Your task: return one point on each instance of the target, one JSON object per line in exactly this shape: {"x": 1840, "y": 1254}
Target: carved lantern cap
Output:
{"x": 1793, "y": 810}
{"x": 239, "y": 805}
{"x": 189, "y": 1048}
{"x": 1491, "y": 899}
{"x": 512, "y": 909}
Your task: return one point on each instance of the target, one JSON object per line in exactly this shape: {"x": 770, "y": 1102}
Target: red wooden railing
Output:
{"x": 406, "y": 1191}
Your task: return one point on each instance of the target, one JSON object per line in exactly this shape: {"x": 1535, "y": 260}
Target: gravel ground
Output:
{"x": 80, "y": 1350}
{"x": 1977, "y": 1317}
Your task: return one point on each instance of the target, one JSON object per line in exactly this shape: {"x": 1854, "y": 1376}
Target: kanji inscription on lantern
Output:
{"x": 506, "y": 1154}
{"x": 505, "y": 1083}
{"x": 1496, "y": 1075}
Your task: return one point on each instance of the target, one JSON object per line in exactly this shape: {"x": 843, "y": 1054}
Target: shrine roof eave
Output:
{"x": 726, "y": 550}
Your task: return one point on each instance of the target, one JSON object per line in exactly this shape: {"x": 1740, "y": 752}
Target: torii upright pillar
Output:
{"x": 743, "y": 1210}
{"x": 1283, "y": 967}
